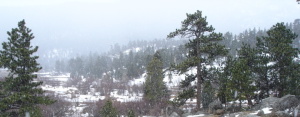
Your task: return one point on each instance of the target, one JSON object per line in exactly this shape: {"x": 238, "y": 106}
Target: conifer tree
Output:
{"x": 19, "y": 92}
{"x": 264, "y": 80}
{"x": 108, "y": 110}
{"x": 225, "y": 94}
{"x": 155, "y": 90}
{"x": 130, "y": 113}
{"x": 203, "y": 47}
{"x": 242, "y": 80}
{"x": 278, "y": 44}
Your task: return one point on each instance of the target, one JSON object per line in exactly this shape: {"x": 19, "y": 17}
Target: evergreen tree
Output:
{"x": 296, "y": 29}
{"x": 155, "y": 90}
{"x": 278, "y": 44}
{"x": 59, "y": 66}
{"x": 76, "y": 67}
{"x": 225, "y": 94}
{"x": 19, "y": 92}
{"x": 207, "y": 94}
{"x": 241, "y": 81}
{"x": 132, "y": 70}
{"x": 264, "y": 80}
{"x": 108, "y": 110}
{"x": 130, "y": 113}
{"x": 203, "y": 47}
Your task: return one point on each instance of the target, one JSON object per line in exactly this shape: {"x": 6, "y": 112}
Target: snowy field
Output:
{"x": 57, "y": 85}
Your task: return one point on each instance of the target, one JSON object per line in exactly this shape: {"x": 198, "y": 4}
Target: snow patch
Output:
{"x": 200, "y": 115}
{"x": 266, "y": 110}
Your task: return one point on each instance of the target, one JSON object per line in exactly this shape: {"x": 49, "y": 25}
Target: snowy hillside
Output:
{"x": 57, "y": 84}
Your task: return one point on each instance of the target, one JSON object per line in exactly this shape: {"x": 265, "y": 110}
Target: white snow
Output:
{"x": 266, "y": 110}
{"x": 174, "y": 81}
{"x": 72, "y": 94}
{"x": 138, "y": 81}
{"x": 59, "y": 89}
{"x": 126, "y": 97}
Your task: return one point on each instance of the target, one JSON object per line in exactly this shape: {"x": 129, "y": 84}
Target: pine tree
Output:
{"x": 76, "y": 67}
{"x": 278, "y": 44}
{"x": 155, "y": 90}
{"x": 108, "y": 110}
{"x": 242, "y": 80}
{"x": 225, "y": 94}
{"x": 132, "y": 70}
{"x": 264, "y": 80}
{"x": 296, "y": 29}
{"x": 130, "y": 113}
{"x": 203, "y": 47}
{"x": 19, "y": 92}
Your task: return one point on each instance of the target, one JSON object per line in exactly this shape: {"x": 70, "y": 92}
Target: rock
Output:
{"x": 174, "y": 114}
{"x": 286, "y": 102}
{"x": 233, "y": 108}
{"x": 296, "y": 111}
{"x": 215, "y": 105}
{"x": 281, "y": 114}
{"x": 185, "y": 115}
{"x": 267, "y": 102}
{"x": 250, "y": 116}
{"x": 219, "y": 112}
{"x": 260, "y": 113}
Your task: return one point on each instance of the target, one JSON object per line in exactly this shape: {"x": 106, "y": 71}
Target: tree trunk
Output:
{"x": 249, "y": 101}
{"x": 199, "y": 82}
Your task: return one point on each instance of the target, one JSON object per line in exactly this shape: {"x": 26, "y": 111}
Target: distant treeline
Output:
{"x": 129, "y": 61}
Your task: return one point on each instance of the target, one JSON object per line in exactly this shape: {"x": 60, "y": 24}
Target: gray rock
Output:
{"x": 260, "y": 113}
{"x": 296, "y": 111}
{"x": 219, "y": 112}
{"x": 251, "y": 116}
{"x": 215, "y": 105}
{"x": 174, "y": 114}
{"x": 267, "y": 102}
{"x": 286, "y": 102}
{"x": 281, "y": 114}
{"x": 185, "y": 114}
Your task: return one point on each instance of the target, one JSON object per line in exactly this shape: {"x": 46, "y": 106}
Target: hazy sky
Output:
{"x": 100, "y": 23}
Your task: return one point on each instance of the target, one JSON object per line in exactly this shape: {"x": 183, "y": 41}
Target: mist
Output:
{"x": 84, "y": 26}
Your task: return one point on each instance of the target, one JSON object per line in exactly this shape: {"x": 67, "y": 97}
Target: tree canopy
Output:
{"x": 19, "y": 92}
{"x": 203, "y": 47}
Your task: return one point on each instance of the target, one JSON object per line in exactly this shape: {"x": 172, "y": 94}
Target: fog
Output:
{"x": 95, "y": 25}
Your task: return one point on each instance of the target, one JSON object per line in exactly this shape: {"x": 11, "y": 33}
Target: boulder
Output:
{"x": 174, "y": 114}
{"x": 215, "y": 105}
{"x": 219, "y": 112}
{"x": 296, "y": 112}
{"x": 286, "y": 102}
{"x": 260, "y": 113}
{"x": 267, "y": 102}
{"x": 281, "y": 114}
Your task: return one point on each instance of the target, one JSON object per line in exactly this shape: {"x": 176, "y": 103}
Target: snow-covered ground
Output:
{"x": 71, "y": 93}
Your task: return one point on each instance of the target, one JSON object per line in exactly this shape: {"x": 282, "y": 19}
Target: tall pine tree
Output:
{"x": 278, "y": 45}
{"x": 108, "y": 110}
{"x": 242, "y": 80}
{"x": 19, "y": 92}
{"x": 155, "y": 90}
{"x": 203, "y": 47}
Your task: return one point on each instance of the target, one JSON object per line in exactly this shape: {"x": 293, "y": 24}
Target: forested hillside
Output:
{"x": 195, "y": 70}
{"x": 131, "y": 60}
{"x": 259, "y": 63}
